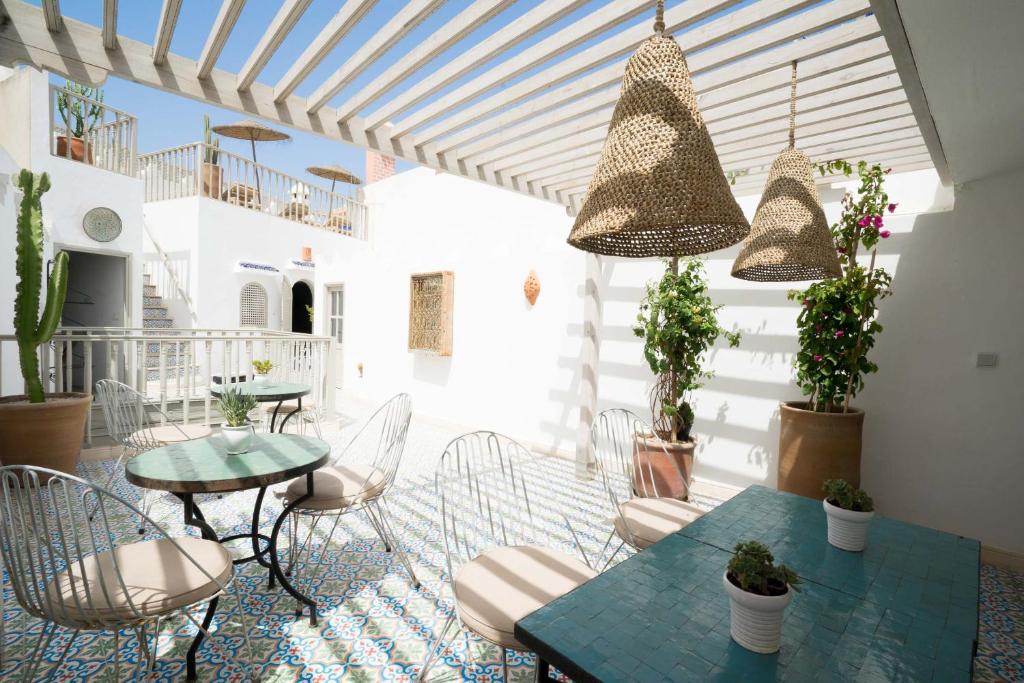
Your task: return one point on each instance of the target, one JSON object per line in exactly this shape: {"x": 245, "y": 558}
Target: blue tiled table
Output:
{"x": 904, "y": 609}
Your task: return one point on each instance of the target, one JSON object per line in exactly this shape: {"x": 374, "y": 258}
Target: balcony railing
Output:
{"x": 196, "y": 170}
{"x": 108, "y": 135}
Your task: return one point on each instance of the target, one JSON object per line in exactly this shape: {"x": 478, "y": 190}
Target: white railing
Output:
{"x": 199, "y": 170}
{"x": 169, "y": 268}
{"x": 175, "y": 368}
{"x": 108, "y": 138}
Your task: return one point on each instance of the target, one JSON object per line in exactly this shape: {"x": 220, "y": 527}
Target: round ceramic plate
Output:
{"x": 102, "y": 224}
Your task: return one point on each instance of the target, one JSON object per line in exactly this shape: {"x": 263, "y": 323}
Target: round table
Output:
{"x": 268, "y": 393}
{"x": 205, "y": 466}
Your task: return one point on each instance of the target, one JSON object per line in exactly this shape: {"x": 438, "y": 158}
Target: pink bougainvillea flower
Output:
{"x": 877, "y": 220}
{"x": 807, "y": 303}
{"x": 892, "y": 207}
{"x": 841, "y": 250}
{"x": 840, "y": 333}
{"x": 864, "y": 222}
{"x": 817, "y": 358}
{"x": 884, "y": 234}
{"x": 888, "y": 171}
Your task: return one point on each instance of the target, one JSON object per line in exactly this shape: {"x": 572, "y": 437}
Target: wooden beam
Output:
{"x": 291, "y": 11}
{"x": 351, "y": 13}
{"x": 110, "y": 24}
{"x": 51, "y": 15}
{"x": 406, "y": 19}
{"x": 165, "y": 30}
{"x": 219, "y": 34}
{"x": 448, "y": 35}
{"x": 902, "y": 164}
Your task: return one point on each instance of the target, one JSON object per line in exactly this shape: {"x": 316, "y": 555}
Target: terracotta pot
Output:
{"x": 213, "y": 179}
{"x": 816, "y": 446}
{"x": 670, "y": 465}
{"x": 78, "y": 151}
{"x": 43, "y": 434}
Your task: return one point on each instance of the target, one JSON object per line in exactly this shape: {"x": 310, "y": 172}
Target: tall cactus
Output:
{"x": 29, "y": 331}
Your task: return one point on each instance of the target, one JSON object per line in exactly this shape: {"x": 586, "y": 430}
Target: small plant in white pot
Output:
{"x": 237, "y": 432}
{"x": 262, "y": 369}
{"x": 759, "y": 591}
{"x": 849, "y": 511}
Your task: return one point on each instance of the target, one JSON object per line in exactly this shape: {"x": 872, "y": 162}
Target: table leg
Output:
{"x": 286, "y": 417}
{"x": 276, "y": 567}
{"x": 194, "y": 517}
{"x": 543, "y": 669}
{"x": 190, "y": 658}
{"x": 273, "y": 419}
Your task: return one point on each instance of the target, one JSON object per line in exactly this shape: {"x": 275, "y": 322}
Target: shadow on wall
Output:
{"x": 171, "y": 279}
{"x": 431, "y": 368}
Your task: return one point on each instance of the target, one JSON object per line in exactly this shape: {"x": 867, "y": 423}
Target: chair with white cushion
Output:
{"x": 500, "y": 565}
{"x": 66, "y": 567}
{"x": 641, "y": 517}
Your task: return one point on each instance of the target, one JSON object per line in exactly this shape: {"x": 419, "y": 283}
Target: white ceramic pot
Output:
{"x": 261, "y": 380}
{"x": 755, "y": 621}
{"x": 237, "y": 439}
{"x": 847, "y": 529}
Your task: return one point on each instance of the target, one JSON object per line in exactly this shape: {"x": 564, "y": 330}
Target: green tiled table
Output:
{"x": 904, "y": 609}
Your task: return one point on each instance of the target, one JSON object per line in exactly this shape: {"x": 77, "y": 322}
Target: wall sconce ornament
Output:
{"x": 307, "y": 253}
{"x": 531, "y": 288}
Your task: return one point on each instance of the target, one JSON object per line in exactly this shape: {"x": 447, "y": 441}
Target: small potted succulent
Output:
{"x": 237, "y": 432}
{"x": 759, "y": 591}
{"x": 262, "y": 368}
{"x": 849, "y": 511}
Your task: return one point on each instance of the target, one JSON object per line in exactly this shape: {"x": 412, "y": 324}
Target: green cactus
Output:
{"x": 29, "y": 331}
{"x": 211, "y": 142}
{"x": 79, "y": 116}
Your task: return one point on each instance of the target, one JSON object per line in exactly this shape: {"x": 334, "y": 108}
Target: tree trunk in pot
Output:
{"x": 663, "y": 469}
{"x": 817, "y": 446}
{"x": 213, "y": 178}
{"x": 46, "y": 434}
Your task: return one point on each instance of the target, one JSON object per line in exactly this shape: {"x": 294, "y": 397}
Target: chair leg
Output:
{"x": 611, "y": 557}
{"x": 35, "y": 658}
{"x": 436, "y": 647}
{"x": 384, "y": 512}
{"x": 504, "y": 665}
{"x": 377, "y": 527}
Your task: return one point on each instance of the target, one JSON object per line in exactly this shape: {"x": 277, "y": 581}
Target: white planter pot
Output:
{"x": 261, "y": 380}
{"x": 755, "y": 621}
{"x": 237, "y": 439}
{"x": 847, "y": 529}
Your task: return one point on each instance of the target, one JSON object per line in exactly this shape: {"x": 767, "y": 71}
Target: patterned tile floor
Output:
{"x": 374, "y": 625}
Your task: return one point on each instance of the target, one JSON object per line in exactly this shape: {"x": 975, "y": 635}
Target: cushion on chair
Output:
{"x": 171, "y": 434}
{"x": 157, "y": 576}
{"x": 652, "y": 519}
{"x": 502, "y": 585}
{"x": 288, "y": 406}
{"x": 335, "y": 487}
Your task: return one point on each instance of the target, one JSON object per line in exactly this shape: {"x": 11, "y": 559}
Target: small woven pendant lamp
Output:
{"x": 658, "y": 188}
{"x": 790, "y": 239}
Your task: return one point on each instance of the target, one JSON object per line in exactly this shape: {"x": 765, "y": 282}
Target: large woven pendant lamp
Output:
{"x": 790, "y": 239}
{"x": 658, "y": 188}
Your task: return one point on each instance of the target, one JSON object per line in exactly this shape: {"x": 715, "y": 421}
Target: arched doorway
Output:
{"x": 302, "y": 296}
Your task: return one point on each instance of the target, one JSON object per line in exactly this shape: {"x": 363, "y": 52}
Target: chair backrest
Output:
{"x": 389, "y": 426}
{"x": 624, "y": 469}
{"x": 51, "y": 524}
{"x": 124, "y": 412}
{"x": 483, "y": 496}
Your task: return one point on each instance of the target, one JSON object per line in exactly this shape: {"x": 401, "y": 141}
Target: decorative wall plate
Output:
{"x": 102, "y": 224}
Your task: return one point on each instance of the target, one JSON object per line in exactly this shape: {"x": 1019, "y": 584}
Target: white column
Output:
{"x": 589, "y": 356}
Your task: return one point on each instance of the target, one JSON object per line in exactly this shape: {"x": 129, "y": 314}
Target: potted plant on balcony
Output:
{"x": 849, "y": 511}
{"x": 759, "y": 591}
{"x": 262, "y": 369}
{"x": 237, "y": 431}
{"x": 820, "y": 438}
{"x": 80, "y": 107}
{"x": 37, "y": 428}
{"x": 678, "y": 323}
{"x": 213, "y": 173}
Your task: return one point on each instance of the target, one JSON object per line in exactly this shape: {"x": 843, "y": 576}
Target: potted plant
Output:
{"x": 81, "y": 108}
{"x": 820, "y": 438}
{"x": 213, "y": 174}
{"x": 849, "y": 511}
{"x": 237, "y": 431}
{"x": 39, "y": 429}
{"x": 678, "y": 323}
{"x": 759, "y": 591}
{"x": 262, "y": 368}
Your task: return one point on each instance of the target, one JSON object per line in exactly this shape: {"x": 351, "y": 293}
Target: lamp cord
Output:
{"x": 792, "y": 108}
{"x": 659, "y": 18}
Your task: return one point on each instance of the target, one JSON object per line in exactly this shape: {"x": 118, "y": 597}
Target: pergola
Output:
{"x": 536, "y": 120}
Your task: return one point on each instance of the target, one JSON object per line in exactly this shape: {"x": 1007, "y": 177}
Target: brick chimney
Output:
{"x": 378, "y": 166}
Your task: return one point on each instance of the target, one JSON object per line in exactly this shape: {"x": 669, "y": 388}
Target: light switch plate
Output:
{"x": 987, "y": 359}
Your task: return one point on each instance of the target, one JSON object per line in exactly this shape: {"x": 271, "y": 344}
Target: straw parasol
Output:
{"x": 789, "y": 239}
{"x": 254, "y": 132}
{"x": 658, "y": 188}
{"x": 335, "y": 174}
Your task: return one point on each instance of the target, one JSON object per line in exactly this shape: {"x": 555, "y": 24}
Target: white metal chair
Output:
{"x": 500, "y": 563}
{"x": 66, "y": 567}
{"x": 309, "y": 415}
{"x": 358, "y": 479}
{"x": 641, "y": 517}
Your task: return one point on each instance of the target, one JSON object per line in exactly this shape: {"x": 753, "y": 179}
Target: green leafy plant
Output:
{"x": 309, "y": 312}
{"x": 30, "y": 329}
{"x": 262, "y": 367}
{"x": 79, "y": 115}
{"x": 841, "y": 494}
{"x": 837, "y": 324}
{"x": 211, "y": 143}
{"x": 753, "y": 569}
{"x": 234, "y": 406}
{"x": 678, "y": 323}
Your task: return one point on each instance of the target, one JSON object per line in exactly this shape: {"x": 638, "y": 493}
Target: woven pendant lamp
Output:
{"x": 658, "y": 188}
{"x": 790, "y": 239}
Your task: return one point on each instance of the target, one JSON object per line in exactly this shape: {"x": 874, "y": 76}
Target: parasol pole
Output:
{"x": 256, "y": 171}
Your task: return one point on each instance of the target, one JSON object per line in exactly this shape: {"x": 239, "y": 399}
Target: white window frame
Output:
{"x": 244, "y": 312}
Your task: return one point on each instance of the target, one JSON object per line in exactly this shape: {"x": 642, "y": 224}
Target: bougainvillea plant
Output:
{"x": 837, "y": 322}
{"x": 678, "y": 323}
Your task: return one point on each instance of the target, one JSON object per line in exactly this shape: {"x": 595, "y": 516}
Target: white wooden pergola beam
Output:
{"x": 227, "y": 16}
{"x": 350, "y": 14}
{"x": 52, "y": 16}
{"x": 406, "y": 19}
{"x": 911, "y": 162}
{"x": 614, "y": 13}
{"x": 280, "y": 26}
{"x": 769, "y": 144}
{"x": 110, "y": 24}
{"x": 448, "y": 35}
{"x": 505, "y": 38}
{"x": 165, "y": 30}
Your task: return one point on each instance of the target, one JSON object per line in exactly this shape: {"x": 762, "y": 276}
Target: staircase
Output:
{"x": 156, "y": 317}
{"x": 154, "y": 310}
